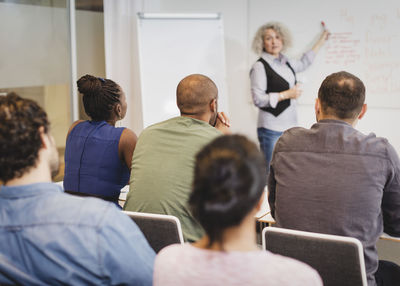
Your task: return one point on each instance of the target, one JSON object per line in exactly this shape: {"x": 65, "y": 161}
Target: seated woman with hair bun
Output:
{"x": 228, "y": 185}
{"x": 97, "y": 154}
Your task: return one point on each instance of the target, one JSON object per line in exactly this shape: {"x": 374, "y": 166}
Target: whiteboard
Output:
{"x": 172, "y": 46}
{"x": 365, "y": 40}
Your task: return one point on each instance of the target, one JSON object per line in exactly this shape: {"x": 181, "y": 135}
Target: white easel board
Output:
{"x": 172, "y": 46}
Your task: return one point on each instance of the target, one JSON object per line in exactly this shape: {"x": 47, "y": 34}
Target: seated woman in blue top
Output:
{"x": 97, "y": 154}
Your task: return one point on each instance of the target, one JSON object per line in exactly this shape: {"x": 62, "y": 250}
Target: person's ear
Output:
{"x": 44, "y": 138}
{"x": 213, "y": 105}
{"x": 48, "y": 142}
{"x": 363, "y": 110}
{"x": 118, "y": 110}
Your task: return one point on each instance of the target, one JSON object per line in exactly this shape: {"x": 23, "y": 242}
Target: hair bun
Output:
{"x": 89, "y": 85}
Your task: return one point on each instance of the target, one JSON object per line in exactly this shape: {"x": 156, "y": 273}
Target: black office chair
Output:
{"x": 339, "y": 260}
{"x": 159, "y": 230}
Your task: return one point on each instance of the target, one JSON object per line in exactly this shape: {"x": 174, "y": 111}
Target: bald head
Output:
{"x": 194, "y": 94}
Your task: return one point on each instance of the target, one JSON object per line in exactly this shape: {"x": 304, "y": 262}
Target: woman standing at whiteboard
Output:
{"x": 274, "y": 87}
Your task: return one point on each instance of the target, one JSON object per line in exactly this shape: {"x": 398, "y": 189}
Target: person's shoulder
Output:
{"x": 174, "y": 252}
{"x": 167, "y": 261}
{"x": 199, "y": 127}
{"x": 174, "y": 249}
{"x": 107, "y": 219}
{"x": 181, "y": 125}
{"x": 164, "y": 123}
{"x": 157, "y": 127}
{"x": 295, "y": 131}
{"x": 82, "y": 211}
{"x": 379, "y": 142}
{"x": 302, "y": 274}
{"x": 291, "y": 135}
{"x": 128, "y": 135}
{"x": 382, "y": 144}
{"x": 214, "y": 132}
{"x": 169, "y": 256}
{"x": 202, "y": 134}
{"x": 375, "y": 145}
{"x": 257, "y": 65}
{"x": 73, "y": 125}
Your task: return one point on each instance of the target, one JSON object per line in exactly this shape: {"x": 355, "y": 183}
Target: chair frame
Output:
{"x": 327, "y": 237}
{"x": 161, "y": 217}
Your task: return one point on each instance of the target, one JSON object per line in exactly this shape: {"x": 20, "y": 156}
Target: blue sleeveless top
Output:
{"x": 92, "y": 163}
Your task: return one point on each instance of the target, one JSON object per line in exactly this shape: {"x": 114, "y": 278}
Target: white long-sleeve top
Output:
{"x": 258, "y": 78}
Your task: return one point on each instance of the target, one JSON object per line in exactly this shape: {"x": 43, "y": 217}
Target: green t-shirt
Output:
{"x": 162, "y": 169}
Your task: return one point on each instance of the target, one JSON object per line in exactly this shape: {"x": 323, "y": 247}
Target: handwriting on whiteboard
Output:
{"x": 343, "y": 49}
{"x": 373, "y": 50}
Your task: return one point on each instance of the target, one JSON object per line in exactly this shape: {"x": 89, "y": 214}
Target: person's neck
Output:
{"x": 37, "y": 174}
{"x": 276, "y": 56}
{"x": 203, "y": 117}
{"x": 237, "y": 238}
{"x": 112, "y": 122}
{"x": 352, "y": 122}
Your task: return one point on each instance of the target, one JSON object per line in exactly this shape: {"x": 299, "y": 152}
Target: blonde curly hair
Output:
{"x": 279, "y": 28}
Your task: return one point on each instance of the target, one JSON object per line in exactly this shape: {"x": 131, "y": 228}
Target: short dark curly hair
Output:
{"x": 20, "y": 142}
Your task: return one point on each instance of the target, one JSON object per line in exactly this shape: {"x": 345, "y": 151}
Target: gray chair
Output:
{"x": 159, "y": 230}
{"x": 339, "y": 260}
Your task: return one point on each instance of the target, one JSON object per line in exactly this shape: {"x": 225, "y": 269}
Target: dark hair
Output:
{"x": 20, "y": 142}
{"x": 229, "y": 179}
{"x": 342, "y": 94}
{"x": 99, "y": 96}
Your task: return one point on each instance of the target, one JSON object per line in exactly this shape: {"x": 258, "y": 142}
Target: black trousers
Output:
{"x": 388, "y": 274}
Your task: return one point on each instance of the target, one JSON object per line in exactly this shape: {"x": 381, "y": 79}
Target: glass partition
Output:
{"x": 36, "y": 61}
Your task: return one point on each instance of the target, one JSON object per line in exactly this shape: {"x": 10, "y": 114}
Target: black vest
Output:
{"x": 276, "y": 83}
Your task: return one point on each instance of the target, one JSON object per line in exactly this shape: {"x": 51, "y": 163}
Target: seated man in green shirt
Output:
{"x": 163, "y": 161}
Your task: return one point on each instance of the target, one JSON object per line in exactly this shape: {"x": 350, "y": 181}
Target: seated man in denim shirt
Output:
{"x": 47, "y": 236}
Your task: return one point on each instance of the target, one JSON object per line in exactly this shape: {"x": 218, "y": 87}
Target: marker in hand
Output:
{"x": 325, "y": 30}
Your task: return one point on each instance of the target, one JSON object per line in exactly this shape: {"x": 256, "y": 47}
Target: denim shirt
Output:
{"x": 49, "y": 237}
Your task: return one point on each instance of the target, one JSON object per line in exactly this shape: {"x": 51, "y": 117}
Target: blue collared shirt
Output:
{"x": 49, "y": 237}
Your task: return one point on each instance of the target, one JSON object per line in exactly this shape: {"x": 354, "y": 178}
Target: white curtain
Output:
{"x": 122, "y": 55}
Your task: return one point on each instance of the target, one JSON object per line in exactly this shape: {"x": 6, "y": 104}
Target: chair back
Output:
{"x": 339, "y": 260}
{"x": 159, "y": 230}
